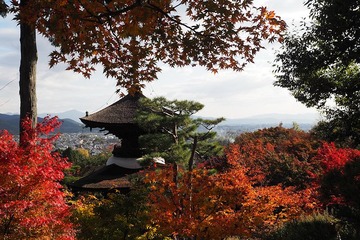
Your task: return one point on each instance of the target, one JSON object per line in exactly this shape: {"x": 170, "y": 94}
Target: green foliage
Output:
{"x": 318, "y": 226}
{"x": 170, "y": 117}
{"x": 320, "y": 66}
{"x": 116, "y": 216}
{"x": 343, "y": 125}
{"x": 82, "y": 162}
{"x": 81, "y": 157}
{"x": 313, "y": 227}
{"x": 342, "y": 128}
{"x": 342, "y": 18}
{"x": 171, "y": 130}
{"x": 156, "y": 141}
{"x": 349, "y": 227}
{"x": 75, "y": 156}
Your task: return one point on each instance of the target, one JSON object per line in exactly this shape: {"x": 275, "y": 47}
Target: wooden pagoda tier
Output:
{"x": 119, "y": 120}
{"x": 105, "y": 179}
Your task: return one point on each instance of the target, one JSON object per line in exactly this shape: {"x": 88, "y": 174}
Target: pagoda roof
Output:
{"x": 107, "y": 177}
{"x": 122, "y": 112}
{"x": 128, "y": 163}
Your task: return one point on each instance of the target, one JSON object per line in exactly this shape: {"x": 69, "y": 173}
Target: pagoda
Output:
{"x": 117, "y": 119}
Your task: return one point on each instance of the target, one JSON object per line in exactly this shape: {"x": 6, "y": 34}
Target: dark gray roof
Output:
{"x": 106, "y": 177}
{"x": 119, "y": 113}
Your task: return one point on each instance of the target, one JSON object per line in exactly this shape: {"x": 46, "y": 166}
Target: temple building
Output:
{"x": 117, "y": 119}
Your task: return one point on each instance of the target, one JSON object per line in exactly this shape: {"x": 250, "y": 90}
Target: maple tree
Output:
{"x": 202, "y": 205}
{"x": 340, "y": 179}
{"x": 129, "y": 38}
{"x": 339, "y": 187}
{"x": 200, "y": 202}
{"x": 31, "y": 198}
{"x": 277, "y": 155}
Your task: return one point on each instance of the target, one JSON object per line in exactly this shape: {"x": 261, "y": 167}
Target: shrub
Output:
{"x": 313, "y": 227}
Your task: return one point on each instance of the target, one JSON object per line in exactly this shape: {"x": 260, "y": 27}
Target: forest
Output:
{"x": 273, "y": 184}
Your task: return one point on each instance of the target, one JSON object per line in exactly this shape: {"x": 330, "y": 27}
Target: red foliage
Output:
{"x": 339, "y": 183}
{"x": 276, "y": 155}
{"x": 332, "y": 157}
{"x": 31, "y": 200}
{"x": 202, "y": 205}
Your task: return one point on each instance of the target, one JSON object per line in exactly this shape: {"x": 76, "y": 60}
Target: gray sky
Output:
{"x": 228, "y": 94}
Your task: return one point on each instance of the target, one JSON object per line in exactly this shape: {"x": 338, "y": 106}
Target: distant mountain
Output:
{"x": 306, "y": 118}
{"x": 11, "y": 123}
{"x": 271, "y": 119}
{"x": 71, "y": 122}
{"x": 71, "y": 114}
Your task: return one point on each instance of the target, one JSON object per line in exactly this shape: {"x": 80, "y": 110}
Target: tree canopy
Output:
{"x": 173, "y": 132}
{"x": 278, "y": 155}
{"x": 32, "y": 200}
{"x": 320, "y": 64}
{"x": 202, "y": 204}
{"x": 312, "y": 59}
{"x": 129, "y": 38}
{"x": 3, "y": 8}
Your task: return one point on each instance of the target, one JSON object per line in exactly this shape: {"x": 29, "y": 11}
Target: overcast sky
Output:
{"x": 227, "y": 94}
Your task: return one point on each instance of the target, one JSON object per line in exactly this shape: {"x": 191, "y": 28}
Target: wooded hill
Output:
{"x": 11, "y": 123}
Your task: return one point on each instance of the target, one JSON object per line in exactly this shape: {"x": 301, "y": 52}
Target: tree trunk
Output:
{"x": 28, "y": 61}
{"x": 193, "y": 151}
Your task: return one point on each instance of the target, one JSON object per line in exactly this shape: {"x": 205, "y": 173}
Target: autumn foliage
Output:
{"x": 338, "y": 188}
{"x": 129, "y": 38}
{"x": 340, "y": 179}
{"x": 333, "y": 158}
{"x": 277, "y": 155}
{"x": 202, "y": 205}
{"x": 32, "y": 202}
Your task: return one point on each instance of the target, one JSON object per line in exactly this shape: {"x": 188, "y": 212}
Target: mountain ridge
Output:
{"x": 71, "y": 122}
{"x": 72, "y": 114}
{"x": 271, "y": 118}
{"x": 275, "y": 118}
{"x": 11, "y": 123}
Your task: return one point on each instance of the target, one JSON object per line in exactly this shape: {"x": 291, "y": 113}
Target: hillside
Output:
{"x": 11, "y": 123}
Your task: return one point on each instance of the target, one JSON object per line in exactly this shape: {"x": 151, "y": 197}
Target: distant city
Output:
{"x": 95, "y": 143}
{"x": 74, "y": 135}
